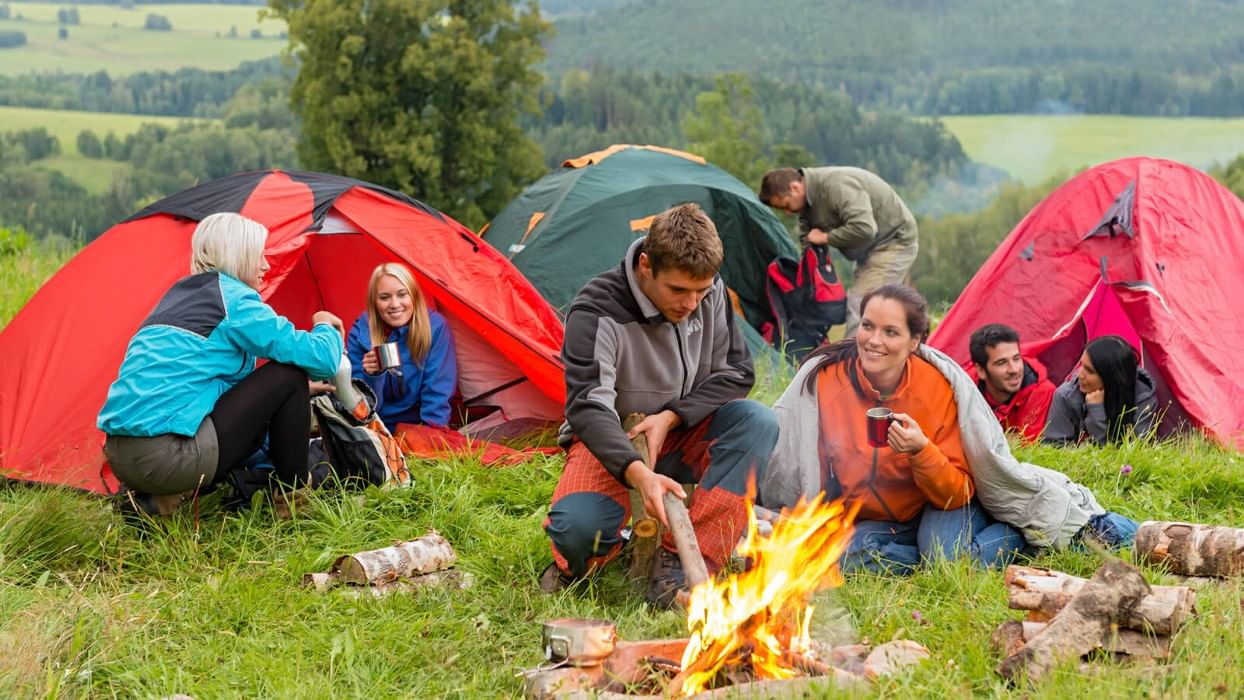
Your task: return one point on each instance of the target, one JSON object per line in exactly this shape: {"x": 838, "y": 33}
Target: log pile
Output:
{"x": 405, "y": 566}
{"x": 1116, "y": 610}
{"x": 1189, "y": 549}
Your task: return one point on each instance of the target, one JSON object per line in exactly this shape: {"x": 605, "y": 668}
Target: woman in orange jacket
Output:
{"x": 916, "y": 489}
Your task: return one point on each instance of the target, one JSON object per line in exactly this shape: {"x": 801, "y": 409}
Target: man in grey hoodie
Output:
{"x": 656, "y": 335}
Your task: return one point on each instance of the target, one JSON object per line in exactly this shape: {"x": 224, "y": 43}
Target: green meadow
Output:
{"x": 208, "y": 603}
{"x": 113, "y": 39}
{"x": 95, "y": 174}
{"x": 1032, "y": 148}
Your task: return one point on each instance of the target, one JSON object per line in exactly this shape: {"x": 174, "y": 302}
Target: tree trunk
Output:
{"x": 420, "y": 556}
{"x": 1044, "y": 593}
{"x": 1084, "y": 624}
{"x": 1191, "y": 549}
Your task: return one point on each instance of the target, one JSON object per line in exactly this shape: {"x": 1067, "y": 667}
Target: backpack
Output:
{"x": 806, "y": 298}
{"x": 359, "y": 452}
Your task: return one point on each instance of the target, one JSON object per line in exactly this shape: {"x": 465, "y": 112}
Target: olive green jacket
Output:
{"x": 859, "y": 211}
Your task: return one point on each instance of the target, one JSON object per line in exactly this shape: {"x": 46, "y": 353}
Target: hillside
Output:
{"x": 951, "y": 56}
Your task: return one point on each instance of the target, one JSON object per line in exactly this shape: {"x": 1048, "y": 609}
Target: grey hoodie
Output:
{"x": 1071, "y": 416}
{"x": 623, "y": 356}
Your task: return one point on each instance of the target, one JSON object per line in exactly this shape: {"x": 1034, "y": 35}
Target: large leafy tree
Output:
{"x": 422, "y": 96}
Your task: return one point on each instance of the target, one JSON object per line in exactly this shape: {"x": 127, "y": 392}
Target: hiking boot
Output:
{"x": 553, "y": 580}
{"x": 285, "y": 503}
{"x": 136, "y": 505}
{"x": 666, "y": 581}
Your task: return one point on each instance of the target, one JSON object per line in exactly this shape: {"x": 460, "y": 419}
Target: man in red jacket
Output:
{"x": 1015, "y": 386}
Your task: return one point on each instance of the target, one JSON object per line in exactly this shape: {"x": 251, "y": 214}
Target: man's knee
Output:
{"x": 744, "y": 423}
{"x": 584, "y": 525}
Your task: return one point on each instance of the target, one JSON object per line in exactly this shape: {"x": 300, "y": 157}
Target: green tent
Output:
{"x": 578, "y": 221}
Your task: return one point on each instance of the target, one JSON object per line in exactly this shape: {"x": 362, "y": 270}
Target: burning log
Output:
{"x": 1084, "y": 624}
{"x": 1044, "y": 593}
{"x": 1191, "y": 549}
{"x": 419, "y": 556}
{"x": 1012, "y": 635}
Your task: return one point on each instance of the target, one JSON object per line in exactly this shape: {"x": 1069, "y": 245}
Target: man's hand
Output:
{"x": 905, "y": 435}
{"x": 1097, "y": 396}
{"x": 656, "y": 427}
{"x": 817, "y": 237}
{"x": 652, "y": 487}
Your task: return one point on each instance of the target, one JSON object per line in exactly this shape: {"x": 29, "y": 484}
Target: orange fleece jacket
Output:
{"x": 894, "y": 486}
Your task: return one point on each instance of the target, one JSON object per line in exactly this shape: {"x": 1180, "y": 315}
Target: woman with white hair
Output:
{"x": 419, "y": 390}
{"x": 188, "y": 404}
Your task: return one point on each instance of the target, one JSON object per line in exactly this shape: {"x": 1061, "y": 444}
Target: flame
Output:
{"x": 762, "y": 614}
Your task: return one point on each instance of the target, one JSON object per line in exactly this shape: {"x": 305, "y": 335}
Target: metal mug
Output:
{"x": 388, "y": 356}
{"x": 578, "y": 641}
{"x": 879, "y": 420}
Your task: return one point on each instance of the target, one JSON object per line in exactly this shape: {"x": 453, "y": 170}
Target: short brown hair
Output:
{"x": 684, "y": 238}
{"x": 777, "y": 183}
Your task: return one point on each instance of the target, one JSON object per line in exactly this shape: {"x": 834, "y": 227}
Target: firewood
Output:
{"x": 420, "y": 556}
{"x": 1085, "y": 624}
{"x": 645, "y": 529}
{"x": 1046, "y": 592}
{"x": 1191, "y": 549}
{"x": 1011, "y": 636}
{"x": 888, "y": 658}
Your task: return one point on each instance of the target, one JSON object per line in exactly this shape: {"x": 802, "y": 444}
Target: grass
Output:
{"x": 113, "y": 39}
{"x": 95, "y": 174}
{"x": 211, "y": 606}
{"x": 1033, "y": 148}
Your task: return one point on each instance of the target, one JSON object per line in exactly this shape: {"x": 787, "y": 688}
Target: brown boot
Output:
{"x": 285, "y": 503}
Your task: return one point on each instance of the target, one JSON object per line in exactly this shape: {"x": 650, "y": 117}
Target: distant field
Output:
{"x": 1034, "y": 147}
{"x": 114, "y": 40}
{"x": 93, "y": 174}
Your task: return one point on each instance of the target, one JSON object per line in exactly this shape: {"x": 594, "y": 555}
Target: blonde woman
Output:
{"x": 188, "y": 404}
{"x": 419, "y": 390}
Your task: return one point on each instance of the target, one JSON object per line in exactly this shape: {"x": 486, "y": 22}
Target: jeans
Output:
{"x": 1111, "y": 529}
{"x": 899, "y": 548}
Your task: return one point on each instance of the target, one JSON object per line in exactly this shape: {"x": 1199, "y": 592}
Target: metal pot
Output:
{"x": 578, "y": 641}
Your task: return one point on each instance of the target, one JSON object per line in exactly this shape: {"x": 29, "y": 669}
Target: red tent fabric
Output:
{"x": 326, "y": 234}
{"x": 1146, "y": 248}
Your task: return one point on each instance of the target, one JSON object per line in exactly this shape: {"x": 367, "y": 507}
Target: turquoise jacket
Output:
{"x": 203, "y": 337}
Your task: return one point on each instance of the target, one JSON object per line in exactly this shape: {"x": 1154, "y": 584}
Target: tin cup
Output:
{"x": 879, "y": 420}
{"x": 388, "y": 356}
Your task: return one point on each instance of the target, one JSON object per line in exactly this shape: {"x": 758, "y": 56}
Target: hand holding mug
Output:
{"x": 371, "y": 364}
{"x": 905, "y": 435}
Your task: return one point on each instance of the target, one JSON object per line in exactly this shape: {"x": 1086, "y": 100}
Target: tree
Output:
{"x": 727, "y": 129}
{"x": 62, "y": 33}
{"x": 422, "y": 96}
{"x": 89, "y": 144}
{"x": 158, "y": 23}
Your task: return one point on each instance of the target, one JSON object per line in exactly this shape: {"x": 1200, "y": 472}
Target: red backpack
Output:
{"x": 807, "y": 298}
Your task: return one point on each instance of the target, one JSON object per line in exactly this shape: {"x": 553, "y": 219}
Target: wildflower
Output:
{"x": 1127, "y": 469}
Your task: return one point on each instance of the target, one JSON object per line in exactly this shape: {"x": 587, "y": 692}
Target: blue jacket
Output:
{"x": 202, "y": 338}
{"x": 419, "y": 394}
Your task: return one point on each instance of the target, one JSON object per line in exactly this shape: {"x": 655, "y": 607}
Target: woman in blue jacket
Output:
{"x": 188, "y": 404}
{"x": 418, "y": 391}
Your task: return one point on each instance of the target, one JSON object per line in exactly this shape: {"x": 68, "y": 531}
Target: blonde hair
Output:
{"x": 419, "y": 337}
{"x": 228, "y": 242}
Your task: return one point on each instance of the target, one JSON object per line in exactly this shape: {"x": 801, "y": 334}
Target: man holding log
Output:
{"x": 656, "y": 336}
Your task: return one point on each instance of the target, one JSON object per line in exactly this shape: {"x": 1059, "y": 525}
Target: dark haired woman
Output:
{"x": 1109, "y": 396}
{"x": 945, "y": 483}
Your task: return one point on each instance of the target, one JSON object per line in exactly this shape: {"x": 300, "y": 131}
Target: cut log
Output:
{"x": 1191, "y": 549}
{"x": 420, "y": 556}
{"x": 887, "y": 659}
{"x": 1012, "y": 635}
{"x": 645, "y": 530}
{"x": 1084, "y": 624}
{"x": 1046, "y": 592}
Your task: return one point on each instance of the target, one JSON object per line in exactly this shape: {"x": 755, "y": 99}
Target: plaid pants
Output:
{"x": 721, "y": 454}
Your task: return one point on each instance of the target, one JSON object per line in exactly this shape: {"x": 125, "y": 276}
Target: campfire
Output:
{"x": 755, "y": 623}
{"x": 749, "y": 630}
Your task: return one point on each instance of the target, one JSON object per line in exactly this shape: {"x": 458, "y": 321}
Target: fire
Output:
{"x": 761, "y": 615}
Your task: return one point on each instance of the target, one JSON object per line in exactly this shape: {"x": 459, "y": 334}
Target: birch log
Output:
{"x": 1191, "y": 549}
{"x": 1012, "y": 635}
{"x": 1044, "y": 592}
{"x": 1084, "y": 624}
{"x": 419, "y": 556}
{"x": 645, "y": 530}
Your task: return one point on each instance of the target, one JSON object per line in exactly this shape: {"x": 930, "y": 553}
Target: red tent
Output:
{"x": 1145, "y": 248}
{"x": 61, "y": 352}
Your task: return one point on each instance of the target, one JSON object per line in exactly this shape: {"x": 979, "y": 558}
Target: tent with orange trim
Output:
{"x": 579, "y": 220}
{"x": 327, "y": 233}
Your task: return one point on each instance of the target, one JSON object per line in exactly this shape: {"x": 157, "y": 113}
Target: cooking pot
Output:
{"x": 578, "y": 641}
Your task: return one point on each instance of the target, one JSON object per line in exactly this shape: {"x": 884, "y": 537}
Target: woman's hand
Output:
{"x": 318, "y": 388}
{"x": 1097, "y": 396}
{"x": 371, "y": 363}
{"x": 905, "y": 435}
{"x": 331, "y": 319}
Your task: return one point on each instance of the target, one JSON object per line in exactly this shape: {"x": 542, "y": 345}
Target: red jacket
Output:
{"x": 1025, "y": 413}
